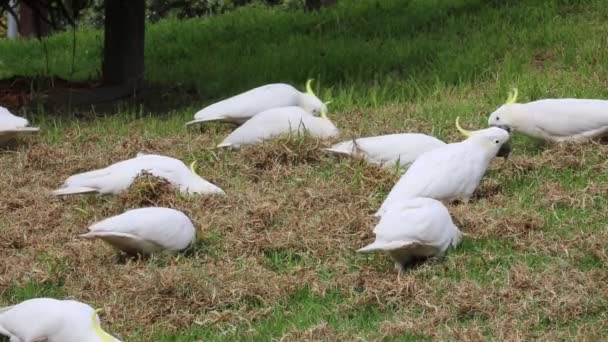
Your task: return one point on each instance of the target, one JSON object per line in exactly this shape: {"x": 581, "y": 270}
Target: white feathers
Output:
{"x": 555, "y": 120}
{"x": 415, "y": 228}
{"x": 119, "y": 176}
{"x": 145, "y": 231}
{"x": 450, "y": 172}
{"x": 12, "y": 126}
{"x": 390, "y": 149}
{"x": 52, "y": 320}
{"x": 279, "y": 121}
{"x": 242, "y": 107}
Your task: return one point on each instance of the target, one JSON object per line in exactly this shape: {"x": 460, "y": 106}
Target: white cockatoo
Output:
{"x": 243, "y": 107}
{"x": 52, "y": 320}
{"x": 415, "y": 228}
{"x": 277, "y": 121}
{"x": 554, "y": 120}
{"x": 12, "y": 126}
{"x": 389, "y": 150}
{"x": 450, "y": 172}
{"x": 119, "y": 176}
{"x": 145, "y": 231}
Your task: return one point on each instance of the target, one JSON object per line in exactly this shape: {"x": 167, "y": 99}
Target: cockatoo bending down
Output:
{"x": 12, "y": 126}
{"x": 277, "y": 121}
{"x": 52, "y": 320}
{"x": 145, "y": 231}
{"x": 453, "y": 171}
{"x": 243, "y": 107}
{"x": 415, "y": 228}
{"x": 388, "y": 150}
{"x": 119, "y": 176}
{"x": 554, "y": 120}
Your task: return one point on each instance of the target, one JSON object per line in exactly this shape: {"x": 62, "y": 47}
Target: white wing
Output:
{"x": 241, "y": 107}
{"x": 391, "y": 148}
{"x": 417, "y": 222}
{"x": 444, "y": 173}
{"x": 17, "y": 320}
{"x": 279, "y": 121}
{"x": 146, "y": 229}
{"x": 9, "y": 121}
{"x": 568, "y": 117}
{"x": 112, "y": 179}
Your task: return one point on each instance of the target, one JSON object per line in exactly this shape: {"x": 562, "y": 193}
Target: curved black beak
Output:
{"x": 505, "y": 127}
{"x": 504, "y": 150}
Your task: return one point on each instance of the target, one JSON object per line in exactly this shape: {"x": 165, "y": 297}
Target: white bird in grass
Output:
{"x": 414, "y": 229}
{"x": 119, "y": 176}
{"x": 277, "y": 121}
{"x": 388, "y": 150}
{"x": 554, "y": 120}
{"x": 52, "y": 320}
{"x": 12, "y": 126}
{"x": 145, "y": 231}
{"x": 243, "y": 107}
{"x": 453, "y": 171}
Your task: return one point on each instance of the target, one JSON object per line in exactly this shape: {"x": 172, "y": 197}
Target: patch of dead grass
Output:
{"x": 284, "y": 196}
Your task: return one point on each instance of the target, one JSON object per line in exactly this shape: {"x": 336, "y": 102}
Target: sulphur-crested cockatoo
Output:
{"x": 52, "y": 320}
{"x": 279, "y": 121}
{"x": 119, "y": 176}
{"x": 389, "y": 150}
{"x": 242, "y": 107}
{"x": 452, "y": 171}
{"x": 12, "y": 126}
{"x": 415, "y": 228}
{"x": 554, "y": 120}
{"x": 145, "y": 231}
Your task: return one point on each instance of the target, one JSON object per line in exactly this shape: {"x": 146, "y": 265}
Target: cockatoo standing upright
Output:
{"x": 450, "y": 172}
{"x": 277, "y": 121}
{"x": 52, "y": 320}
{"x": 119, "y": 176}
{"x": 415, "y": 228}
{"x": 145, "y": 231}
{"x": 12, "y": 126}
{"x": 243, "y": 107}
{"x": 390, "y": 149}
{"x": 554, "y": 120}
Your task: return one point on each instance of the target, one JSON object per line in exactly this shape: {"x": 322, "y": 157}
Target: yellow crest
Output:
{"x": 464, "y": 132}
{"x": 104, "y": 336}
{"x": 512, "y": 96}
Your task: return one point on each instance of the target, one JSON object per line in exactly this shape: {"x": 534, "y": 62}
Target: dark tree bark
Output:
{"x": 317, "y": 4}
{"x": 31, "y": 22}
{"x": 123, "y": 54}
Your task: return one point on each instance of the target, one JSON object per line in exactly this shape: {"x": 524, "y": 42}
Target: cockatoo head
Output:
{"x": 493, "y": 140}
{"x": 508, "y": 115}
{"x": 197, "y": 185}
{"x": 311, "y": 103}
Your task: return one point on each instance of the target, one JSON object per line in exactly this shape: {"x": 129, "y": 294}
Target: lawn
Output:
{"x": 275, "y": 258}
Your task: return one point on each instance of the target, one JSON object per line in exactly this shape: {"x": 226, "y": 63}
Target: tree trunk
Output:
{"x": 317, "y": 4}
{"x": 31, "y": 22}
{"x": 123, "y": 54}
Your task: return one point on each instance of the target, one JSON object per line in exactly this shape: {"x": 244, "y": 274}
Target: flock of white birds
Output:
{"x": 413, "y": 222}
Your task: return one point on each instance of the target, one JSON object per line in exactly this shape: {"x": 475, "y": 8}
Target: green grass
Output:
{"x": 388, "y": 66}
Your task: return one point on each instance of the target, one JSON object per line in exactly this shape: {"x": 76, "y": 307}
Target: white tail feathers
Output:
{"x": 385, "y": 246}
{"x": 73, "y": 191}
{"x": 23, "y": 130}
{"x": 209, "y": 119}
{"x": 338, "y": 150}
{"x": 96, "y": 235}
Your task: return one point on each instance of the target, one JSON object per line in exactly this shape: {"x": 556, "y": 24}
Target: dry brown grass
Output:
{"x": 286, "y": 198}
